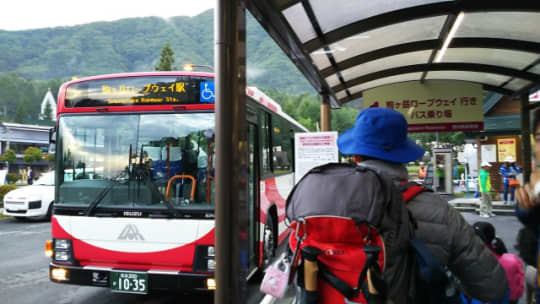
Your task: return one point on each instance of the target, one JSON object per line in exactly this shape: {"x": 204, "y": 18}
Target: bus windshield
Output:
{"x": 136, "y": 161}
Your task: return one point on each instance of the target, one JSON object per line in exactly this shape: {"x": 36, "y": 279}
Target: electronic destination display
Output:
{"x": 141, "y": 91}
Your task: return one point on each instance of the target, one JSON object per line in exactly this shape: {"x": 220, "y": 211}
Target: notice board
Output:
{"x": 312, "y": 150}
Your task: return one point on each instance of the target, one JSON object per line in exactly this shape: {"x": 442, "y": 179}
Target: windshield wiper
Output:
{"x": 99, "y": 198}
{"x": 101, "y": 195}
{"x": 141, "y": 174}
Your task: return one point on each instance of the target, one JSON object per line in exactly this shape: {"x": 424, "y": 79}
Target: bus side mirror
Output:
{"x": 52, "y": 140}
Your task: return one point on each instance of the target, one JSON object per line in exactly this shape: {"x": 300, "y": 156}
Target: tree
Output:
{"x": 166, "y": 60}
{"x": 8, "y": 156}
{"x": 32, "y": 154}
{"x": 344, "y": 118}
{"x": 447, "y": 139}
{"x": 47, "y": 115}
{"x": 21, "y": 113}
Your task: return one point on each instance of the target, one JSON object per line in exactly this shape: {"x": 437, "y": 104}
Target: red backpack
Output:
{"x": 349, "y": 219}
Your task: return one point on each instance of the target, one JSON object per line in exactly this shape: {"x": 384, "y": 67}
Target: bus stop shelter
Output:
{"x": 344, "y": 47}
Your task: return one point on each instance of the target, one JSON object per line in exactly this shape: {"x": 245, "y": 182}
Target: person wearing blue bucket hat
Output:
{"x": 378, "y": 140}
{"x": 380, "y": 133}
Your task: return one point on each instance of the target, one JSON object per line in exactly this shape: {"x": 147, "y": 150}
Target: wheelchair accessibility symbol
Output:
{"x": 207, "y": 91}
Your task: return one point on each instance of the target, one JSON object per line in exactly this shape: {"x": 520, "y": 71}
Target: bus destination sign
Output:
{"x": 140, "y": 91}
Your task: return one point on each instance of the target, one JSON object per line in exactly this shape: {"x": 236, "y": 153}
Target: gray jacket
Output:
{"x": 452, "y": 240}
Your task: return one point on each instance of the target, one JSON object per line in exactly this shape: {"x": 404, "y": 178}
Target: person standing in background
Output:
{"x": 422, "y": 171}
{"x": 485, "y": 189}
{"x": 509, "y": 170}
{"x": 29, "y": 175}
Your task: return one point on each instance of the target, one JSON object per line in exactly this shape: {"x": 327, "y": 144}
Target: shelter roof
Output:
{"x": 344, "y": 47}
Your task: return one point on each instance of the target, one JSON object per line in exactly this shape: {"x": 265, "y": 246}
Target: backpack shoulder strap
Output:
{"x": 410, "y": 190}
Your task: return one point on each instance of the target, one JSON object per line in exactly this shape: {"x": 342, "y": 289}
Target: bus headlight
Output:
{"x": 62, "y": 256}
{"x": 63, "y": 251}
{"x": 62, "y": 244}
{"x": 211, "y": 284}
{"x": 204, "y": 259}
{"x": 211, "y": 264}
{"x": 59, "y": 274}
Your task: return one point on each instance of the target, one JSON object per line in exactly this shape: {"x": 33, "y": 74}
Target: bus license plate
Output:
{"x": 130, "y": 282}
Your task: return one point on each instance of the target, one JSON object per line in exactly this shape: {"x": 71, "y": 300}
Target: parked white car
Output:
{"x": 34, "y": 201}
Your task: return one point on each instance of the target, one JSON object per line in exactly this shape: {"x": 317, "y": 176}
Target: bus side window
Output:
{"x": 266, "y": 143}
{"x": 280, "y": 146}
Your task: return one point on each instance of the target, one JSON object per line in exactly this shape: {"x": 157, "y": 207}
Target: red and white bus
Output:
{"x": 134, "y": 203}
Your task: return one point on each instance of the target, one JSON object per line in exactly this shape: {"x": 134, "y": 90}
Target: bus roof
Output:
{"x": 140, "y": 74}
{"x": 270, "y": 104}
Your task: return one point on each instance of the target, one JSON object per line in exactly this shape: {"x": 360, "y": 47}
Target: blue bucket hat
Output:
{"x": 380, "y": 133}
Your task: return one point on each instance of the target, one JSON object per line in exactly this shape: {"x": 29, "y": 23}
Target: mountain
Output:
{"x": 135, "y": 44}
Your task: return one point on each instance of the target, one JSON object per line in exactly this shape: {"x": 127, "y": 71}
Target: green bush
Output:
{"x": 49, "y": 158}
{"x": 32, "y": 154}
{"x": 9, "y": 156}
{"x": 12, "y": 178}
{"x": 5, "y": 189}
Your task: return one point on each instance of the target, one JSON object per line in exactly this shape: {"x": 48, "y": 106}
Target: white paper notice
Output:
{"x": 489, "y": 153}
{"x": 314, "y": 149}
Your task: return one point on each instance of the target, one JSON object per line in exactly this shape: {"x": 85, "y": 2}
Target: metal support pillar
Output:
{"x": 435, "y": 177}
{"x": 231, "y": 152}
{"x": 448, "y": 180}
{"x": 525, "y": 136}
{"x": 326, "y": 115}
{"x": 478, "y": 155}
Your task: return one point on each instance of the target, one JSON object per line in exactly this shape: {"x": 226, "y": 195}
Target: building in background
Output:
{"x": 48, "y": 107}
{"x": 18, "y": 137}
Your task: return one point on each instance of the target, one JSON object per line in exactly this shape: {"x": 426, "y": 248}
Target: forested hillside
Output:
{"x": 134, "y": 45}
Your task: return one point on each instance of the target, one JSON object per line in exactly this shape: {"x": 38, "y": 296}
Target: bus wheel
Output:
{"x": 269, "y": 245}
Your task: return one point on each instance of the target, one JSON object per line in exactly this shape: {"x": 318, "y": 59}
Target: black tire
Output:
{"x": 49, "y": 211}
{"x": 269, "y": 241}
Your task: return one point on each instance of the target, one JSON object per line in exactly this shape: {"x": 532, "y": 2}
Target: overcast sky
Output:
{"x": 31, "y": 14}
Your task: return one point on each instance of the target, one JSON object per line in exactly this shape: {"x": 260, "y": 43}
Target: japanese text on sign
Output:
{"x": 435, "y": 105}
{"x": 150, "y": 88}
{"x": 314, "y": 149}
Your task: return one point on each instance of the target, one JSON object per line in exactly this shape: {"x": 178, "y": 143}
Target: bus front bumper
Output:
{"x": 157, "y": 279}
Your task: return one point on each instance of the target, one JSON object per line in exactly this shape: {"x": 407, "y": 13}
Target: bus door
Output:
{"x": 253, "y": 196}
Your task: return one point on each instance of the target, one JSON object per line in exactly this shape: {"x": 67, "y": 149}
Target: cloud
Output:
{"x": 254, "y": 72}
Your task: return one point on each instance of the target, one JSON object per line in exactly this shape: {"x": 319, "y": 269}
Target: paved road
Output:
{"x": 24, "y": 269}
{"x": 24, "y": 274}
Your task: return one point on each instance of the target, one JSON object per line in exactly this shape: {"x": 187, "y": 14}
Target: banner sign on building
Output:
{"x": 432, "y": 106}
{"x": 312, "y": 150}
{"x": 506, "y": 147}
